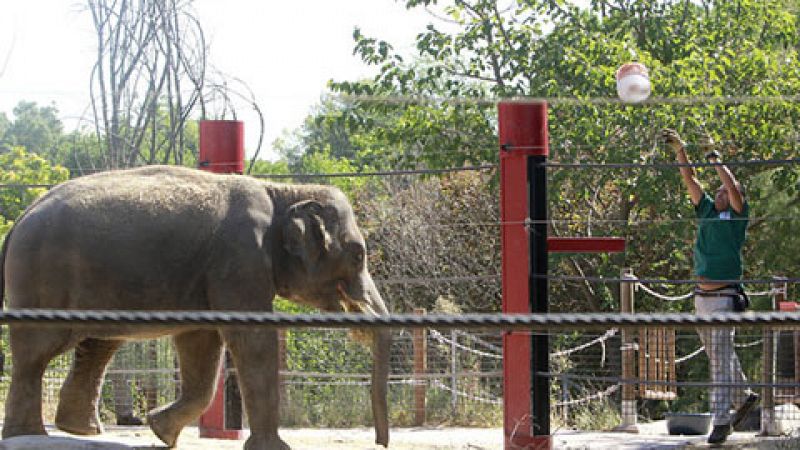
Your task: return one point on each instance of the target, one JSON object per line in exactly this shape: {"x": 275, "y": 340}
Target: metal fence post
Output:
{"x": 453, "y": 371}
{"x": 769, "y": 426}
{"x": 628, "y": 351}
{"x": 283, "y": 392}
{"x": 420, "y": 367}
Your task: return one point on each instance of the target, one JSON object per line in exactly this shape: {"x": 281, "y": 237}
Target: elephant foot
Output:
{"x": 77, "y": 423}
{"x": 165, "y": 428}
{"x": 10, "y": 430}
{"x": 264, "y": 443}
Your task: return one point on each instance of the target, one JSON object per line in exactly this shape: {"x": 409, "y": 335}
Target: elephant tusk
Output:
{"x": 351, "y": 305}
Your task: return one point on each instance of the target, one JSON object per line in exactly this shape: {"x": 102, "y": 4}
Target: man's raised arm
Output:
{"x": 673, "y": 139}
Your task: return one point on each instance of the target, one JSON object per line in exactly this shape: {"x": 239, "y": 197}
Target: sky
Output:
{"x": 285, "y": 51}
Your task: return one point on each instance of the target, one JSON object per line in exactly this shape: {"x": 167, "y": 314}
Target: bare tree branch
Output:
{"x": 149, "y": 77}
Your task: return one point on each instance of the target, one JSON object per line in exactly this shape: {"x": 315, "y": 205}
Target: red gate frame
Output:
{"x": 523, "y": 134}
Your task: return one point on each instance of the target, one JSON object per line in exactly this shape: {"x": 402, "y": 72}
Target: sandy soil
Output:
{"x": 300, "y": 439}
{"x": 652, "y": 437}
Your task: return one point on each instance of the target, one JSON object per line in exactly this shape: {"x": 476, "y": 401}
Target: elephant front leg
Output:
{"x": 255, "y": 355}
{"x": 198, "y": 356}
{"x": 77, "y": 402}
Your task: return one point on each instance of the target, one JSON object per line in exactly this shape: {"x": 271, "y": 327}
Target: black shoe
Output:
{"x": 719, "y": 434}
{"x": 743, "y": 410}
{"x": 129, "y": 420}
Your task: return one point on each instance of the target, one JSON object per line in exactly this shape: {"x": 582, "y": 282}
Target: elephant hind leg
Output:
{"x": 198, "y": 357}
{"x": 77, "y": 403}
{"x": 32, "y": 348}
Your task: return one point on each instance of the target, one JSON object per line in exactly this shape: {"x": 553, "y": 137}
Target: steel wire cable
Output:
{"x": 671, "y": 165}
{"x": 626, "y": 222}
{"x": 380, "y": 173}
{"x": 425, "y": 280}
{"x": 571, "y": 101}
{"x": 510, "y": 322}
{"x": 634, "y": 381}
{"x": 611, "y": 280}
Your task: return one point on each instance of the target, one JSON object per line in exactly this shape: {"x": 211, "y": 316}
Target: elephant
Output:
{"x": 165, "y": 238}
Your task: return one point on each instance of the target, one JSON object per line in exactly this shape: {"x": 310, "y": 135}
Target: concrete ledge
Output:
{"x": 61, "y": 443}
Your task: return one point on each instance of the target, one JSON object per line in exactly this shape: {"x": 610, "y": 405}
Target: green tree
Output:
{"x": 36, "y": 128}
{"x": 4, "y": 125}
{"x": 19, "y": 168}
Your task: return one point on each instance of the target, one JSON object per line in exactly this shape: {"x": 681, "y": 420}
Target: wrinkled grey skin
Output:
{"x": 167, "y": 238}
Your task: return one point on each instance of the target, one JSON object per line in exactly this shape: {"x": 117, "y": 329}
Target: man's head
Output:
{"x": 722, "y": 200}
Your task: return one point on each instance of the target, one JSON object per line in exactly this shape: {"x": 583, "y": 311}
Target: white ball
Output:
{"x": 633, "y": 83}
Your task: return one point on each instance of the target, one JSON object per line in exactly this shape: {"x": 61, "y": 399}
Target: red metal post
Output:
{"x": 222, "y": 151}
{"x": 212, "y": 423}
{"x": 523, "y": 195}
{"x": 222, "y": 146}
{"x": 523, "y": 134}
{"x": 586, "y": 245}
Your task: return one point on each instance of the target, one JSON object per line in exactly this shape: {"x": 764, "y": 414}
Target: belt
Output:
{"x": 724, "y": 292}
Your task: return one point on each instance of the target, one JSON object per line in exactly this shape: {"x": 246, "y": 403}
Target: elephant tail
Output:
{"x": 3, "y": 267}
{"x": 3, "y": 291}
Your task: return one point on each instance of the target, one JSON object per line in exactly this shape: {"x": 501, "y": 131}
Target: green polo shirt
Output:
{"x": 720, "y": 237}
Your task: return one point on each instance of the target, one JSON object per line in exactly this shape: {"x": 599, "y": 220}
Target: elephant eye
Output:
{"x": 356, "y": 252}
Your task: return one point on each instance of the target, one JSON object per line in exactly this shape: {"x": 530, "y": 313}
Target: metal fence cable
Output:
{"x": 661, "y": 280}
{"x": 511, "y": 322}
{"x": 670, "y": 165}
{"x": 687, "y": 100}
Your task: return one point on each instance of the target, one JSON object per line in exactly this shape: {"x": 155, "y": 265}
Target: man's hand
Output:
{"x": 713, "y": 156}
{"x": 708, "y": 147}
{"x": 673, "y": 139}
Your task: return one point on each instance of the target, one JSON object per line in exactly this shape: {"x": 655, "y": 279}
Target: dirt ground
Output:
{"x": 652, "y": 437}
{"x": 118, "y": 438}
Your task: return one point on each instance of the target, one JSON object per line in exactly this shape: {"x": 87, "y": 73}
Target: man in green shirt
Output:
{"x": 717, "y": 264}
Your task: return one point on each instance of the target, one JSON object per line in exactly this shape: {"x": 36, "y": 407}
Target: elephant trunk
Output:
{"x": 380, "y": 378}
{"x": 366, "y": 295}
{"x": 381, "y": 352}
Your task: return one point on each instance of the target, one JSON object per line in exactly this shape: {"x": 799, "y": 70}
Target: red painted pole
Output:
{"x": 222, "y": 146}
{"x": 221, "y": 151}
{"x": 523, "y": 143}
{"x": 585, "y": 245}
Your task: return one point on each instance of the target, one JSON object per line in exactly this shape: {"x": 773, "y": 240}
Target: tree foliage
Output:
{"x": 714, "y": 62}
{"x": 37, "y": 128}
{"x": 19, "y": 167}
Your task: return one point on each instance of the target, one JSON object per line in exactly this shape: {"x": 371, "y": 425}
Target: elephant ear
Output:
{"x": 309, "y": 231}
